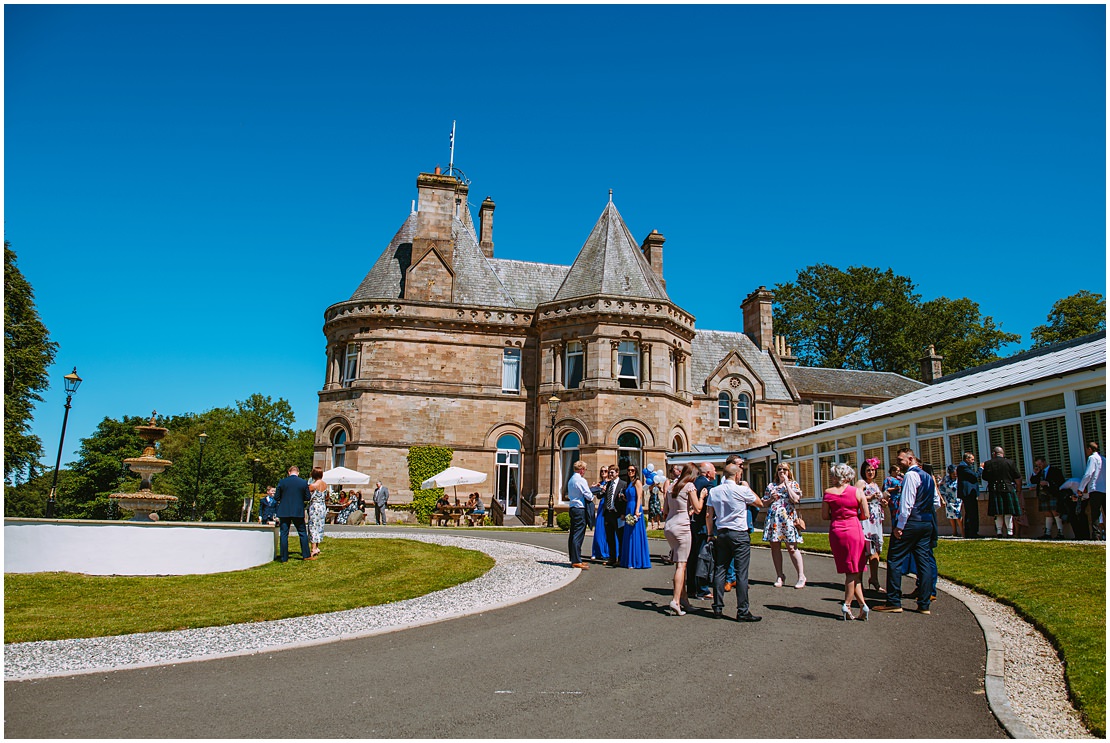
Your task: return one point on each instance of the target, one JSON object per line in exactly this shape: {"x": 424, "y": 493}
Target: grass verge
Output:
{"x": 1059, "y": 588}
{"x": 349, "y": 573}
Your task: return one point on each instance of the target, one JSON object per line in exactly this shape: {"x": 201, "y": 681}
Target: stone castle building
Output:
{"x": 442, "y": 343}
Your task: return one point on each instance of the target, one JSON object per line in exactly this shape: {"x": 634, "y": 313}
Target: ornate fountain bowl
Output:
{"x": 144, "y": 504}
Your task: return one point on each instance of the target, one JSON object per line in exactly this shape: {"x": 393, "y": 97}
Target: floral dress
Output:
{"x": 317, "y": 510}
{"x": 655, "y": 506}
{"x": 779, "y": 524}
{"x": 873, "y": 526}
{"x": 950, "y": 491}
{"x": 350, "y": 508}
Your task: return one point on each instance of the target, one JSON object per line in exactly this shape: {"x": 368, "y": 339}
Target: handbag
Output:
{"x": 799, "y": 523}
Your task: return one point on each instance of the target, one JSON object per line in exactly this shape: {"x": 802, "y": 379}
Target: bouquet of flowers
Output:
{"x": 631, "y": 518}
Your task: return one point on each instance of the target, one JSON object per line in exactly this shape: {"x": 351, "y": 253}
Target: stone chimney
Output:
{"x": 652, "y": 248}
{"x": 485, "y": 226}
{"x": 930, "y": 366}
{"x": 785, "y": 352}
{"x": 439, "y": 197}
{"x": 757, "y": 318}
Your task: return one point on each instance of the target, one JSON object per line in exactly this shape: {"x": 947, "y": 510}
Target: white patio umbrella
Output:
{"x": 344, "y": 476}
{"x": 453, "y": 477}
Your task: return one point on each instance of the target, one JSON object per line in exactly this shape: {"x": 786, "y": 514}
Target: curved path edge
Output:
{"x": 32, "y": 660}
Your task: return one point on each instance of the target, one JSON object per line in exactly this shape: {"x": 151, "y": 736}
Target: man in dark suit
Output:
{"x": 613, "y": 505}
{"x": 292, "y": 496}
{"x": 1048, "y": 480}
{"x": 967, "y": 476}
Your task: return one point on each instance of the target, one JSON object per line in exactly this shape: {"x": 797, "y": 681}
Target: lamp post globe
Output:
{"x": 553, "y": 406}
{"x": 72, "y": 382}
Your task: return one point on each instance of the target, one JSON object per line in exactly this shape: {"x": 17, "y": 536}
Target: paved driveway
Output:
{"x": 595, "y": 659}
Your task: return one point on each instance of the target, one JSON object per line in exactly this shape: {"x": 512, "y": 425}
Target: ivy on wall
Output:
{"x": 424, "y": 462}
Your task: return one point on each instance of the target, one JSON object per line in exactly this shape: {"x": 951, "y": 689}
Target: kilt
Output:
{"x": 1046, "y": 500}
{"x": 1001, "y": 502}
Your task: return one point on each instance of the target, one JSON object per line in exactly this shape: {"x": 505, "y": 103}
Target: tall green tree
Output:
{"x": 1071, "y": 317}
{"x": 866, "y": 318}
{"x": 28, "y": 353}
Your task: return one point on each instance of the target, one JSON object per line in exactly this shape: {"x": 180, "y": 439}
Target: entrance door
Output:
{"x": 508, "y": 473}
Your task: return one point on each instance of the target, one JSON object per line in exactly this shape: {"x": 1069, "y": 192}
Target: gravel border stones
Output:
{"x": 1024, "y": 676}
{"x": 521, "y": 572}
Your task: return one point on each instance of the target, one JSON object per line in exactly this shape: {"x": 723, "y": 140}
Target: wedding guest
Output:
{"x": 912, "y": 533}
{"x": 1091, "y": 487}
{"x": 292, "y": 495}
{"x": 727, "y": 523}
{"x": 892, "y": 486}
{"x": 600, "y": 547}
{"x": 950, "y": 496}
{"x": 873, "y": 526}
{"x": 317, "y": 510}
{"x": 968, "y": 474}
{"x": 381, "y": 501}
{"x": 676, "y": 513}
{"x": 267, "y": 508}
{"x": 578, "y": 493}
{"x": 354, "y": 503}
{"x": 1004, "y": 491}
{"x": 707, "y": 474}
{"x": 634, "y": 551}
{"x": 783, "y": 495}
{"x": 844, "y": 507}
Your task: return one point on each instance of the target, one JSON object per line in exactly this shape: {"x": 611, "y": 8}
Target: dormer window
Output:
{"x": 575, "y": 365}
{"x": 628, "y": 365}
{"x": 724, "y": 410}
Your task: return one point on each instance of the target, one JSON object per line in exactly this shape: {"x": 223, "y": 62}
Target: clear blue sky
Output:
{"x": 189, "y": 187}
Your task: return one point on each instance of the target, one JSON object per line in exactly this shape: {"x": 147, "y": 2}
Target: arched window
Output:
{"x": 743, "y": 411}
{"x": 629, "y": 452}
{"x": 569, "y": 447}
{"x": 676, "y": 445}
{"x": 338, "y": 448}
{"x": 507, "y": 487}
{"x": 724, "y": 410}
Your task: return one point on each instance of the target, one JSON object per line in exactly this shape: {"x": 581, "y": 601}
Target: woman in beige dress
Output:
{"x": 676, "y": 514}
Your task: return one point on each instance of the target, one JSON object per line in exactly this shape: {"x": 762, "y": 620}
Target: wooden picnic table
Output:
{"x": 449, "y": 514}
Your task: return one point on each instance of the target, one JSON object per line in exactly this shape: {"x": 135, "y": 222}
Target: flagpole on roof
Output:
{"x": 451, "y": 163}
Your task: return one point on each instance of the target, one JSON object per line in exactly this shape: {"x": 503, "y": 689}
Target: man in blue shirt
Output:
{"x": 578, "y": 492}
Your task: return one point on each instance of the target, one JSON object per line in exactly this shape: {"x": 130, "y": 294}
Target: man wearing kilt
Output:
{"x": 1004, "y": 490}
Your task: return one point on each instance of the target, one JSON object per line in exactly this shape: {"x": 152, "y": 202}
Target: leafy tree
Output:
{"x": 28, "y": 353}
{"x": 224, "y": 481}
{"x": 959, "y": 332}
{"x": 865, "y": 318}
{"x": 1072, "y": 317}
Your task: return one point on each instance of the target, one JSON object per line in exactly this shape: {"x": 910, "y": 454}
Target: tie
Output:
{"x": 610, "y": 498}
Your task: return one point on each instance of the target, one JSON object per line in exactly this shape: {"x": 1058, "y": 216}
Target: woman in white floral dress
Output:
{"x": 873, "y": 526}
{"x": 782, "y": 495}
{"x": 317, "y": 510}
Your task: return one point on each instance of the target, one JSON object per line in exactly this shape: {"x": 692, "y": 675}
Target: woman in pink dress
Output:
{"x": 844, "y": 507}
{"x": 676, "y": 513}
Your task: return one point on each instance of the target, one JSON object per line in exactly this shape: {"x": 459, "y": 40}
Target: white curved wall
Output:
{"x": 130, "y": 548}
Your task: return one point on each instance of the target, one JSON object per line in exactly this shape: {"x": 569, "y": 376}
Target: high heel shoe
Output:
{"x": 865, "y": 612}
{"x": 677, "y": 609}
{"x": 801, "y": 582}
{"x": 846, "y": 613}
{"x": 778, "y": 583}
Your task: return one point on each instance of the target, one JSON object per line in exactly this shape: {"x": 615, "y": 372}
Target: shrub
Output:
{"x": 562, "y": 520}
{"x": 424, "y": 462}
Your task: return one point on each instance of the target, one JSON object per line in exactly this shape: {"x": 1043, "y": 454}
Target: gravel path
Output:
{"x": 1034, "y": 673}
{"x": 521, "y": 572}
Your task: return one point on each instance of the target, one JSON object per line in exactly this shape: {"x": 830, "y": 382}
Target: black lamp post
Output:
{"x": 200, "y": 461}
{"x": 553, "y": 404}
{"x": 254, "y": 481}
{"x": 72, "y": 383}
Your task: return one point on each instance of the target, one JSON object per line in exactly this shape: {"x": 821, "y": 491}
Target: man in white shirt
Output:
{"x": 578, "y": 492}
{"x": 726, "y": 521}
{"x": 1093, "y": 485}
{"x": 912, "y": 532}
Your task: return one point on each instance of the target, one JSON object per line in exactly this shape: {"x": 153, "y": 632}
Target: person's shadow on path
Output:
{"x": 801, "y": 610}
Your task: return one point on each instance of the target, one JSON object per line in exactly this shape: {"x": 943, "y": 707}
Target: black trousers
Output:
{"x": 283, "y": 533}
{"x": 1077, "y": 517}
{"x": 1098, "y": 506}
{"x": 971, "y": 514}
{"x": 612, "y": 519}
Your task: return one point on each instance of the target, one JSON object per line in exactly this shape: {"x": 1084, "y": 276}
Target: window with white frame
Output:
{"x": 724, "y": 410}
{"x": 510, "y": 370}
{"x": 629, "y": 453}
{"x": 350, "y": 365}
{"x": 628, "y": 365}
{"x": 822, "y": 413}
{"x": 569, "y": 451}
{"x": 338, "y": 448}
{"x": 507, "y": 486}
{"x": 743, "y": 411}
{"x": 575, "y": 365}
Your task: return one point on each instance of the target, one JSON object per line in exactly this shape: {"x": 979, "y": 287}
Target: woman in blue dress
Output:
{"x": 600, "y": 549}
{"x": 634, "y": 544}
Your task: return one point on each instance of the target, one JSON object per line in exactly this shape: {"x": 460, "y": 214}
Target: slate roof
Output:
{"x": 475, "y": 283}
{"x": 531, "y": 284}
{"x": 817, "y": 380}
{"x": 710, "y": 348}
{"x": 611, "y": 263}
{"x": 1021, "y": 369}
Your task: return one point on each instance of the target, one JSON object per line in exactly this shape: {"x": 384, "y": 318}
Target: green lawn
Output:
{"x": 1059, "y": 588}
{"x": 348, "y": 574}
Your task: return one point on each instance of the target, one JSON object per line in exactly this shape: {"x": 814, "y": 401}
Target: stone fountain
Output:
{"x": 145, "y": 504}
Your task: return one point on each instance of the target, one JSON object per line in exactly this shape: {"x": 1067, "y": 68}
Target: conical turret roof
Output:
{"x": 611, "y": 263}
